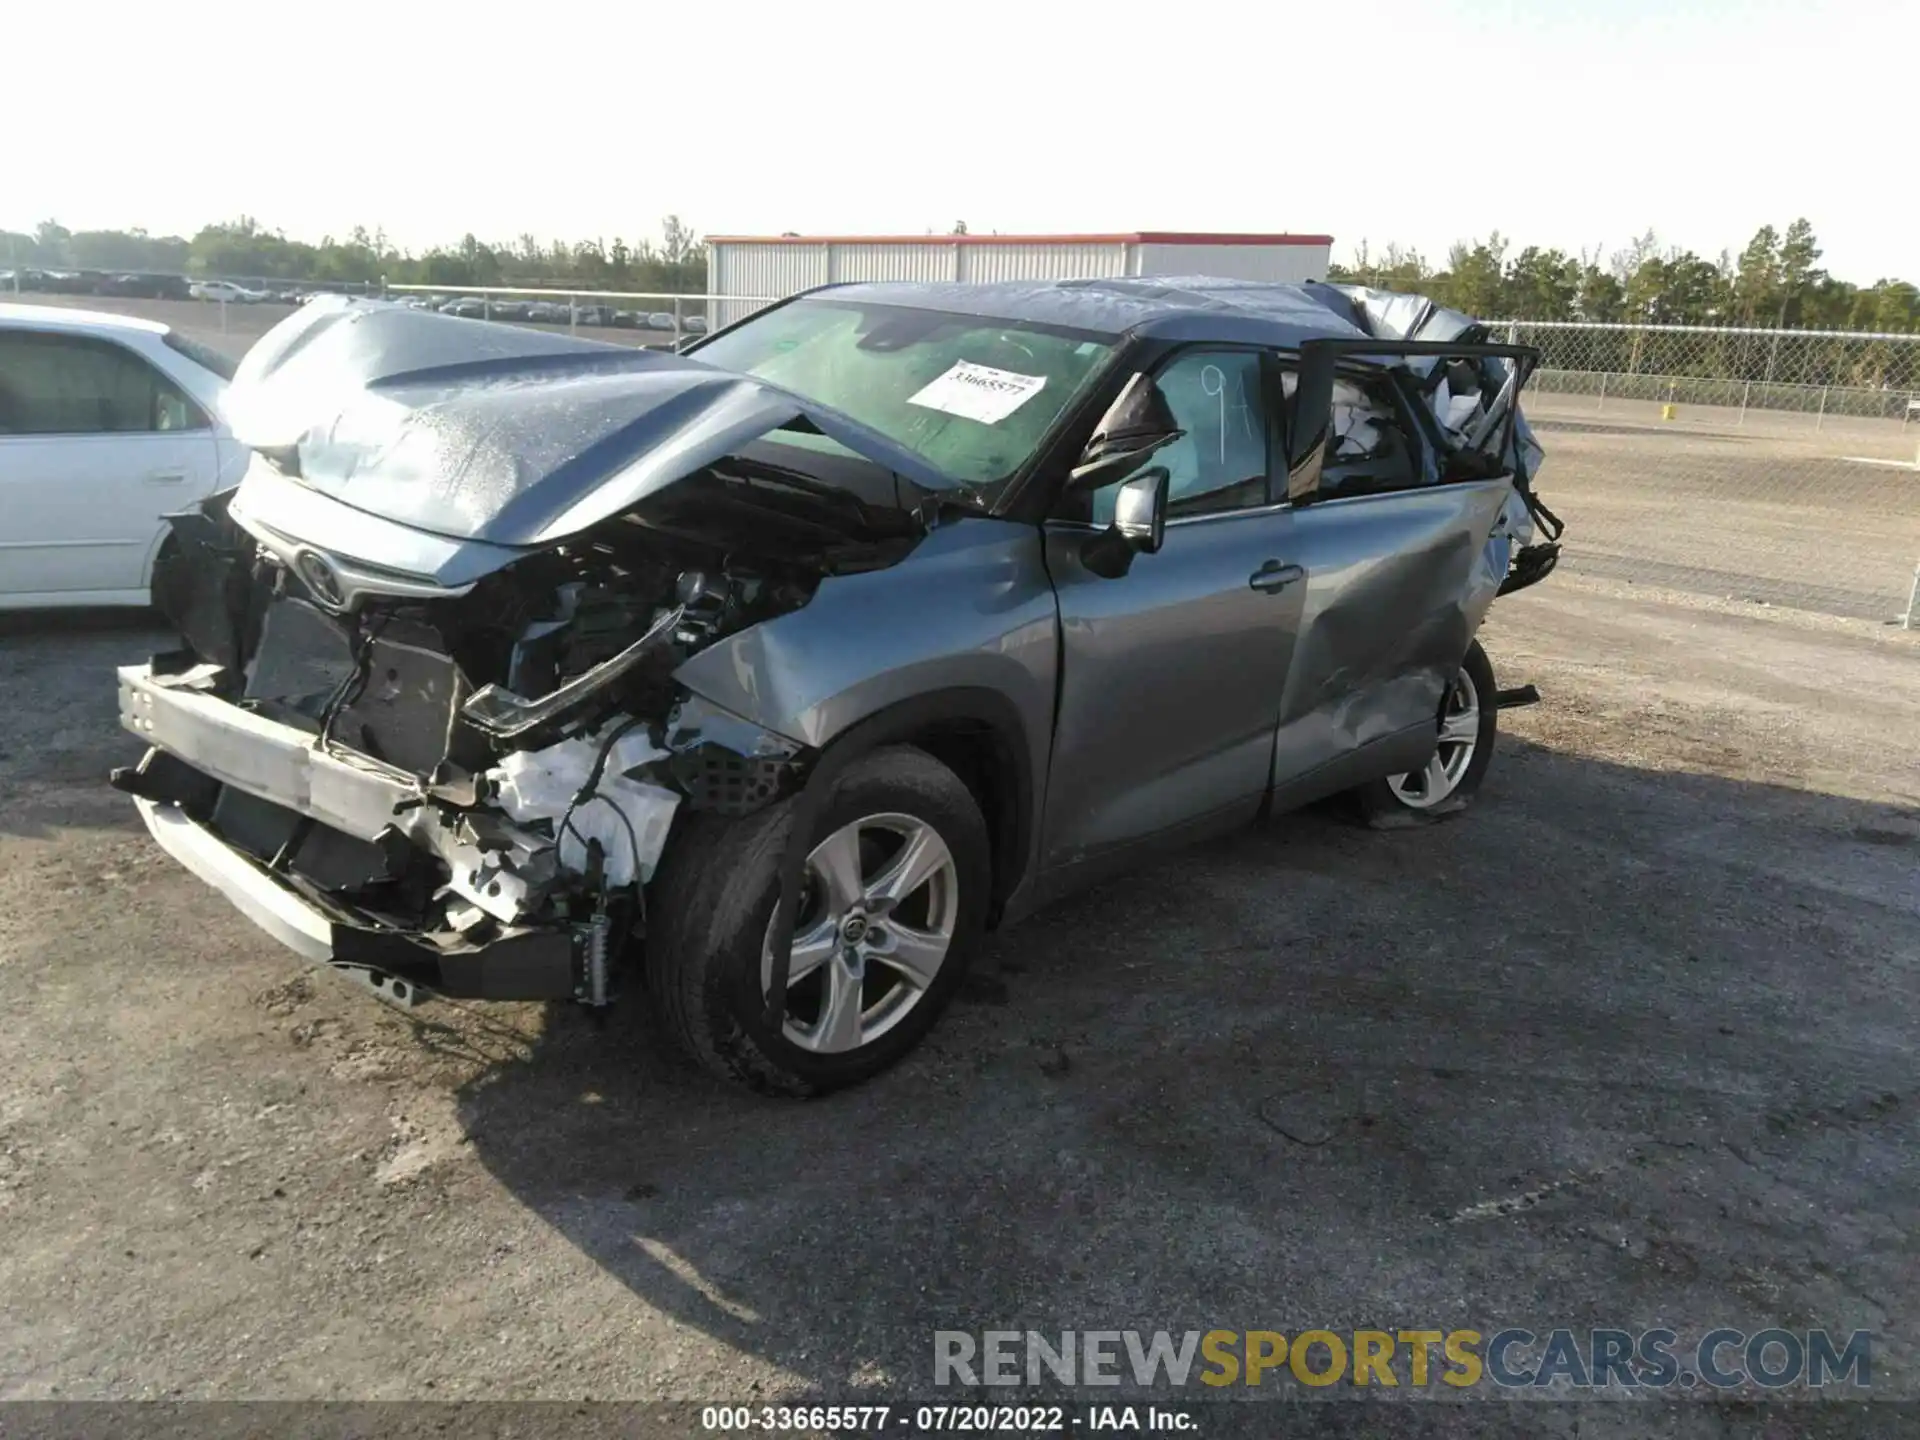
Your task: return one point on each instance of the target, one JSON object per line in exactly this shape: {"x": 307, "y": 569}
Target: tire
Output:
{"x": 1398, "y": 801}
{"x": 712, "y": 903}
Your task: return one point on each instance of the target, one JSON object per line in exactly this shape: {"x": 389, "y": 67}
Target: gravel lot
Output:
{"x": 1656, "y": 990}
{"x": 1826, "y": 521}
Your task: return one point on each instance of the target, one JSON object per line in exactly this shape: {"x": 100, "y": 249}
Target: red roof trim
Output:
{"x": 1139, "y": 237}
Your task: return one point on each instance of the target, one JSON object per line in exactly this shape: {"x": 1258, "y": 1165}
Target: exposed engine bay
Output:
{"x": 530, "y": 725}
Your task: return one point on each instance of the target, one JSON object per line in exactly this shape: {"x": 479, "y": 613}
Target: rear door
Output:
{"x": 1172, "y": 674}
{"x": 96, "y": 445}
{"x": 1391, "y": 516}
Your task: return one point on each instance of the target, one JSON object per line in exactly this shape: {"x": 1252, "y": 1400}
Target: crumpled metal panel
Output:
{"x": 1396, "y": 589}
{"x": 995, "y": 628}
{"x": 1388, "y": 315}
{"x": 488, "y": 432}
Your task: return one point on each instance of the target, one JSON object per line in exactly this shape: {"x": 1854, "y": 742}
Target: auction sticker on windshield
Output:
{"x": 979, "y": 392}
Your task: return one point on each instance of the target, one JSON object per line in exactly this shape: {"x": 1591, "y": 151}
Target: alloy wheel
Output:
{"x": 873, "y": 929}
{"x": 1459, "y": 738}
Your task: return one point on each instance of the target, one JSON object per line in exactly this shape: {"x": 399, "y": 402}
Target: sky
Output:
{"x": 1569, "y": 123}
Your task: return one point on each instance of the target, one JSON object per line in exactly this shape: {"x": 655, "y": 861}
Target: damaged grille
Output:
{"x": 389, "y": 693}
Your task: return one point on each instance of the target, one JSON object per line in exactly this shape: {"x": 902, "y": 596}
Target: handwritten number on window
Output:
{"x": 1213, "y": 384}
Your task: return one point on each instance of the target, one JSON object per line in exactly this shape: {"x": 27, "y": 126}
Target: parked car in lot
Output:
{"x": 107, "y": 424}
{"x": 694, "y": 325}
{"x": 227, "y": 291}
{"x": 148, "y": 287}
{"x": 660, "y": 320}
{"x": 770, "y": 678}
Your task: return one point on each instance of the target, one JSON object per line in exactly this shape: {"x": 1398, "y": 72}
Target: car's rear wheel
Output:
{"x": 1468, "y": 719}
{"x": 893, "y": 905}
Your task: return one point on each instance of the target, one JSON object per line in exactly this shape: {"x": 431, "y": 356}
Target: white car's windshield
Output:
{"x": 972, "y": 395}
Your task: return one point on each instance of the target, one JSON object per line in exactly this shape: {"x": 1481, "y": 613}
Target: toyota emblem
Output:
{"x": 317, "y": 573}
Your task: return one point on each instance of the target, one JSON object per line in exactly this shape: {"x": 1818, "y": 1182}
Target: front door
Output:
{"x": 1172, "y": 674}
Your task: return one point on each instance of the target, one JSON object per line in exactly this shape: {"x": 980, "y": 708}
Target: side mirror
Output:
{"x": 1139, "y": 526}
{"x": 1138, "y": 423}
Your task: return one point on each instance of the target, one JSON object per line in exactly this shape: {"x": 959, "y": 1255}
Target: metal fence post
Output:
{"x": 1603, "y": 393}
{"x": 1745, "y": 391}
{"x": 1820, "y": 418}
{"x": 573, "y": 314}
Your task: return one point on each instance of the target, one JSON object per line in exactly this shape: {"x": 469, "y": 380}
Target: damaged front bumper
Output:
{"x": 533, "y": 964}
{"x": 506, "y": 949}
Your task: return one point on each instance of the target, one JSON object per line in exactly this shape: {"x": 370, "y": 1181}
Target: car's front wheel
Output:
{"x": 894, "y": 902}
{"x": 1468, "y": 720}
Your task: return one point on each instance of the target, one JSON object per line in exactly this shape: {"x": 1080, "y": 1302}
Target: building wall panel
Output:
{"x": 769, "y": 271}
{"x": 861, "y": 260}
{"x": 1293, "y": 263}
{"x": 1072, "y": 260}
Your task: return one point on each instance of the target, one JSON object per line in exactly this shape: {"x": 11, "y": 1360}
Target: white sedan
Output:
{"x": 107, "y": 425}
{"x": 225, "y": 290}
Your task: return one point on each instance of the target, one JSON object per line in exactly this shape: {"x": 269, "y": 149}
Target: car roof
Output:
{"x": 1186, "y": 307}
{"x": 59, "y": 317}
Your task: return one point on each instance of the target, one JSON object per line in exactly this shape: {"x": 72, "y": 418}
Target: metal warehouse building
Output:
{"x": 770, "y": 267}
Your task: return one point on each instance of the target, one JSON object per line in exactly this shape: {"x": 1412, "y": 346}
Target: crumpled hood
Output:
{"x": 492, "y": 432}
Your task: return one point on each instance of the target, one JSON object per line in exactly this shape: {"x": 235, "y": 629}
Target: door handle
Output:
{"x": 167, "y": 477}
{"x": 1273, "y": 577}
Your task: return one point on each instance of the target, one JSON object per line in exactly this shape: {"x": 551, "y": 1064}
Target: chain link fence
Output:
{"x": 1780, "y": 467}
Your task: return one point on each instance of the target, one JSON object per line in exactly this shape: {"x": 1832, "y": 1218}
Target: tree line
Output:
{"x": 1774, "y": 283}
{"x": 244, "y": 249}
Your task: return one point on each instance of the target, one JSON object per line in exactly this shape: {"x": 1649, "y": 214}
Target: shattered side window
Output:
{"x": 1371, "y": 450}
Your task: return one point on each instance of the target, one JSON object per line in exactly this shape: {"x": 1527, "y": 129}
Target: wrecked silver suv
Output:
{"x": 769, "y": 676}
